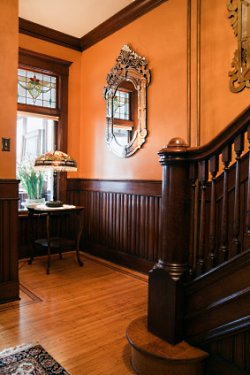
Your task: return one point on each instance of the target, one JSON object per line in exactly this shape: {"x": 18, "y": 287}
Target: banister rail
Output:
{"x": 216, "y": 145}
{"x": 205, "y": 218}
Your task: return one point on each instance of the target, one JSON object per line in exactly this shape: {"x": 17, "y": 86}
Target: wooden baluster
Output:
{"x": 235, "y": 244}
{"x": 247, "y": 231}
{"x": 213, "y": 167}
{"x": 226, "y": 159}
{"x": 193, "y": 217}
{"x": 203, "y": 177}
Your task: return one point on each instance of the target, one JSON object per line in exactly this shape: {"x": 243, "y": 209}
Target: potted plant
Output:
{"x": 32, "y": 181}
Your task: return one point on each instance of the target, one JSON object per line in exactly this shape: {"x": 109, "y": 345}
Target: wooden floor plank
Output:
{"x": 80, "y": 315}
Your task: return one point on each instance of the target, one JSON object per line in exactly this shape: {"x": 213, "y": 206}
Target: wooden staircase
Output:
{"x": 199, "y": 290}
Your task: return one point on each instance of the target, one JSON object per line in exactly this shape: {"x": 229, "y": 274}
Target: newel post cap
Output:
{"x": 175, "y": 144}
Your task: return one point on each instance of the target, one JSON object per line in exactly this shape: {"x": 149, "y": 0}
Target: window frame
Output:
{"x": 60, "y": 68}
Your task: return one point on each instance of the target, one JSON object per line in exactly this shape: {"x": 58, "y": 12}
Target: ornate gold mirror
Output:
{"x": 126, "y": 103}
{"x": 239, "y": 14}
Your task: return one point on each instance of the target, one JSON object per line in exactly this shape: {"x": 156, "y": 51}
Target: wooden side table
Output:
{"x": 56, "y": 242}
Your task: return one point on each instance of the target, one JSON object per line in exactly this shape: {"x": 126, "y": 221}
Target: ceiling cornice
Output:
{"x": 114, "y": 23}
{"x": 119, "y": 20}
{"x": 50, "y": 35}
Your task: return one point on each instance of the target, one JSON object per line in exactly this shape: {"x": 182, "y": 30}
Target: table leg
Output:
{"x": 32, "y": 237}
{"x": 48, "y": 239}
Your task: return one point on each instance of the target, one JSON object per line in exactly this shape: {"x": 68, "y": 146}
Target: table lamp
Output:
{"x": 57, "y": 161}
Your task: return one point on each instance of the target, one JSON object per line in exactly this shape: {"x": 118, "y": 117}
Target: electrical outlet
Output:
{"x": 5, "y": 144}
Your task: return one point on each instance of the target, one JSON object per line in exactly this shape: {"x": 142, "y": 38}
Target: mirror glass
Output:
{"x": 125, "y": 95}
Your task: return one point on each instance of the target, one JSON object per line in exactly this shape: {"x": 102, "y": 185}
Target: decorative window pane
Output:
{"x": 122, "y": 105}
{"x": 36, "y": 89}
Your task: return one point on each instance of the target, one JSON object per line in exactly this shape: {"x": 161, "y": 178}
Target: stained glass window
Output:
{"x": 122, "y": 105}
{"x": 36, "y": 89}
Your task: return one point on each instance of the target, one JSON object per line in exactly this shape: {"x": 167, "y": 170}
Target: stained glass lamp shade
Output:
{"x": 57, "y": 161}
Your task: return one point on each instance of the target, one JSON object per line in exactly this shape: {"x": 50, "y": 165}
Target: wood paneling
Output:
{"x": 8, "y": 240}
{"x": 122, "y": 219}
{"x": 217, "y": 311}
{"x": 235, "y": 351}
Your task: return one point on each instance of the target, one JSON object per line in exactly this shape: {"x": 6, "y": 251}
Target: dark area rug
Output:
{"x": 29, "y": 360}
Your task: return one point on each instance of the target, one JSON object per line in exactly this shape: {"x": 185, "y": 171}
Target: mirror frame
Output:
{"x": 129, "y": 67}
{"x": 240, "y": 73}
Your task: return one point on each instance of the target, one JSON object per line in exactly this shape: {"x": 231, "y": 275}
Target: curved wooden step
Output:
{"x": 151, "y": 355}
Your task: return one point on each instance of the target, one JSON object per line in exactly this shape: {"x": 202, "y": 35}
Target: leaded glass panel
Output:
{"x": 36, "y": 89}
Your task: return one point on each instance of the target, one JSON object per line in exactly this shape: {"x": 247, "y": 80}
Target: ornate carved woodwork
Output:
{"x": 130, "y": 68}
{"x": 239, "y": 15}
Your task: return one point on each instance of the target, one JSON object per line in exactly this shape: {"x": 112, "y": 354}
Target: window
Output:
{"x": 35, "y": 136}
{"x": 124, "y": 113}
{"x": 122, "y": 105}
{"x": 42, "y": 115}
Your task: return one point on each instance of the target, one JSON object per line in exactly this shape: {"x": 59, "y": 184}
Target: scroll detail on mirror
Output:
{"x": 126, "y": 103}
{"x": 239, "y": 14}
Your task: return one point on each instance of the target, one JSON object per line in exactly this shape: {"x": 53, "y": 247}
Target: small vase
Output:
{"x": 33, "y": 202}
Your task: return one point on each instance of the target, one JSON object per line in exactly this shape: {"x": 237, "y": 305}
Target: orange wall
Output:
{"x": 8, "y": 87}
{"x": 219, "y": 106}
{"x": 160, "y": 36}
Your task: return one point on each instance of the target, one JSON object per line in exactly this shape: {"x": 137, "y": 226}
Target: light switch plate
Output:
{"x": 5, "y": 144}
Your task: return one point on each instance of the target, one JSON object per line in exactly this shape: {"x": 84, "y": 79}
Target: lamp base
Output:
{"x": 54, "y": 204}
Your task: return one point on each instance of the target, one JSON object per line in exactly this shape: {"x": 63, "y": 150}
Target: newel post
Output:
{"x": 166, "y": 288}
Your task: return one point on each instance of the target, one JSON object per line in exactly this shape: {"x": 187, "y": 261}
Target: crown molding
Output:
{"x": 119, "y": 20}
{"x": 50, "y": 35}
{"x": 114, "y": 23}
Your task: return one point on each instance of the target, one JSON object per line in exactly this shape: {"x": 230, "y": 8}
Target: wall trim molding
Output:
{"x": 111, "y": 25}
{"x": 50, "y": 35}
{"x": 138, "y": 187}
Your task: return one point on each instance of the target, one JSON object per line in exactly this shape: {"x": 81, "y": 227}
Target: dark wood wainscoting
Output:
{"x": 9, "y": 288}
{"x": 122, "y": 219}
{"x": 217, "y": 311}
{"x": 234, "y": 349}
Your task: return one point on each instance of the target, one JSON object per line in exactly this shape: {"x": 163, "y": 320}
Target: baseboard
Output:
{"x": 126, "y": 260}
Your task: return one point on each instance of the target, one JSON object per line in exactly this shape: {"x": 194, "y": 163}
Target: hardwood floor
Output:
{"x": 78, "y": 314}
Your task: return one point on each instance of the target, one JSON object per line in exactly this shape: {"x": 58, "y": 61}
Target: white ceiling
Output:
{"x": 73, "y": 17}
